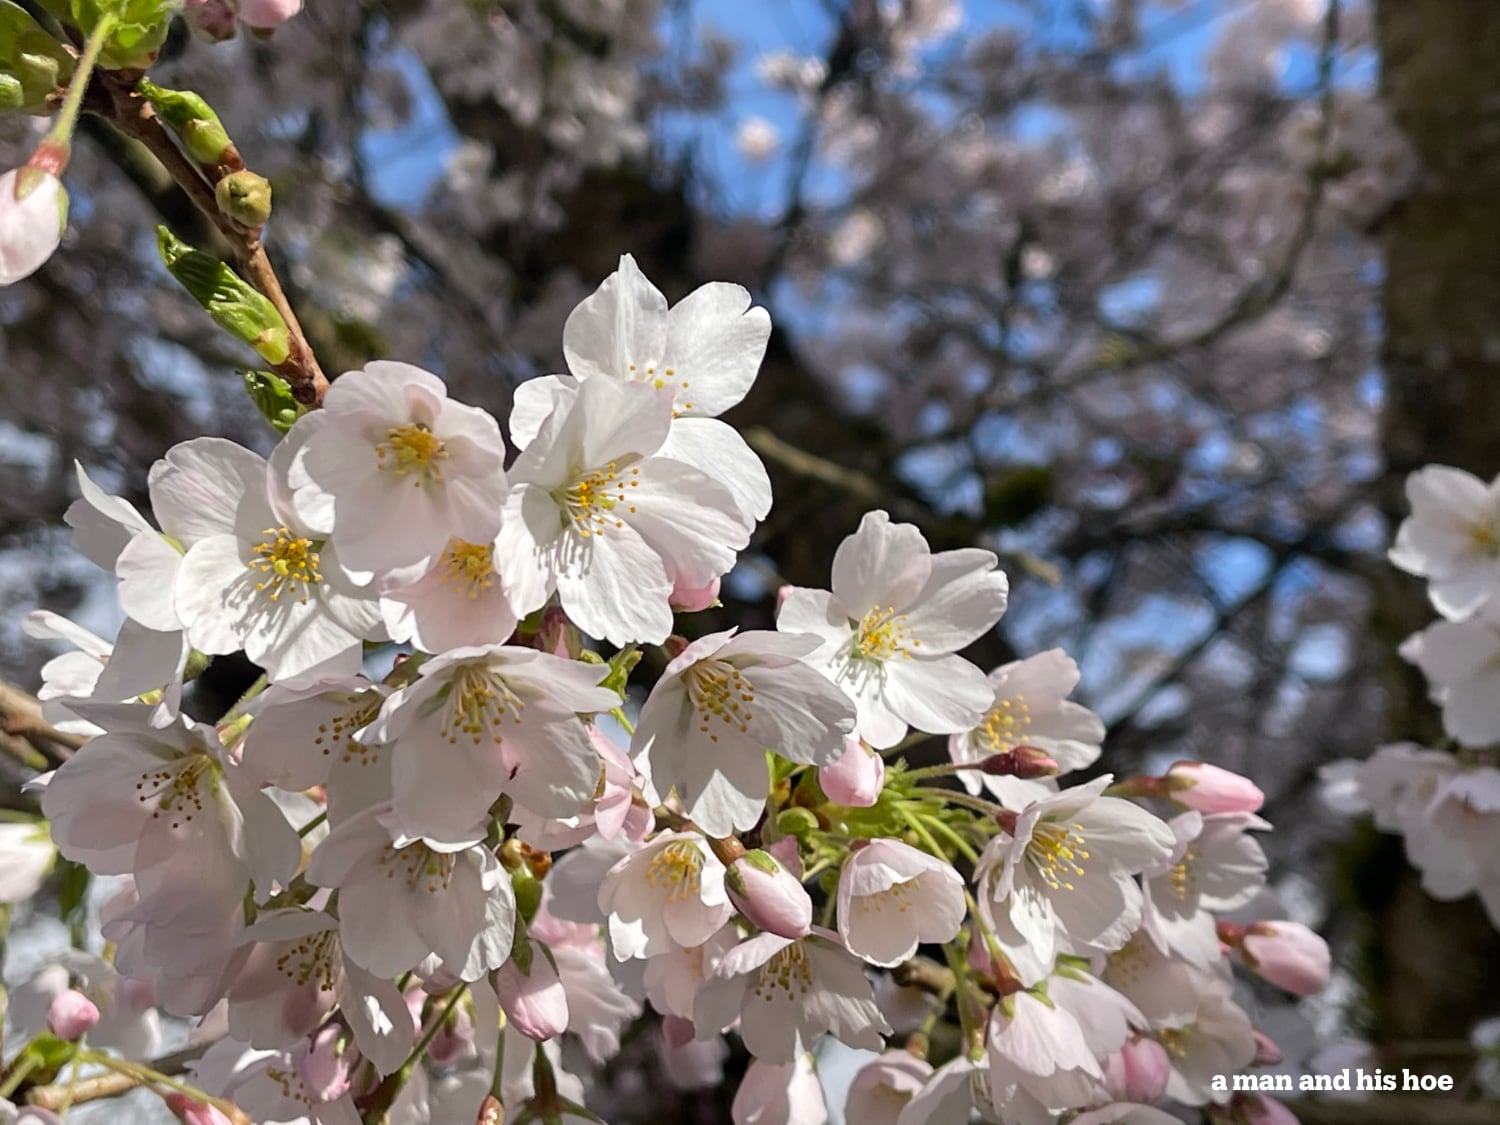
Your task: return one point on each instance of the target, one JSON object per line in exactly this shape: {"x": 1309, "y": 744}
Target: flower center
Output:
{"x": 311, "y": 960}
{"x": 470, "y": 567}
{"x": 412, "y": 448}
{"x": 287, "y": 562}
{"x": 719, "y": 689}
{"x": 882, "y": 634}
{"x": 1004, "y": 727}
{"x": 589, "y": 502}
{"x": 177, "y": 789}
{"x": 787, "y": 971}
{"x": 419, "y": 865}
{"x": 676, "y": 869}
{"x": 1055, "y": 851}
{"x": 479, "y": 701}
{"x": 1484, "y": 537}
{"x": 338, "y": 733}
{"x": 1175, "y": 1040}
{"x": 898, "y": 896}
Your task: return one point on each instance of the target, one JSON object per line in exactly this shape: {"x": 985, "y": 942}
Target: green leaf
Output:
{"x": 234, "y": 304}
{"x": 272, "y": 396}
{"x": 33, "y": 65}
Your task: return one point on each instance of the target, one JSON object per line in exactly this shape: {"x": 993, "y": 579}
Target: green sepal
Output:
{"x": 272, "y": 396}
{"x": 192, "y": 119}
{"x": 621, "y": 664}
{"x": 140, "y": 29}
{"x": 33, "y": 64}
{"x": 233, "y": 303}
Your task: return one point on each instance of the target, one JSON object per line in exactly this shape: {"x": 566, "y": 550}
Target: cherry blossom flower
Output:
{"x": 896, "y": 614}
{"x": 673, "y": 978}
{"x": 1451, "y": 538}
{"x": 459, "y": 601}
{"x": 1215, "y": 866}
{"x": 1461, "y": 659}
{"x": 487, "y": 720}
{"x": 788, "y": 993}
{"x": 273, "y": 588}
{"x": 892, "y": 898}
{"x": 1031, "y": 708}
{"x": 33, "y": 214}
{"x": 703, "y": 352}
{"x": 668, "y": 895}
{"x": 598, "y": 515}
{"x": 719, "y": 706}
{"x": 296, "y": 972}
{"x": 856, "y": 779}
{"x": 599, "y": 1008}
{"x": 26, "y": 856}
{"x": 400, "y": 900}
{"x": 1063, "y": 876}
{"x": 393, "y": 469}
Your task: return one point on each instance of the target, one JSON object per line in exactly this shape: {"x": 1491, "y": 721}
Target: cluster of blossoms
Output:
{"x": 1445, "y": 802}
{"x": 392, "y": 897}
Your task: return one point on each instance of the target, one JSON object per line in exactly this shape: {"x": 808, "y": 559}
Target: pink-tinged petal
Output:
{"x": 965, "y": 595}
{"x": 102, "y": 524}
{"x": 882, "y": 565}
{"x": 147, "y": 567}
{"x": 620, "y": 330}
{"x": 618, "y": 589}
{"x": 688, "y": 519}
{"x": 939, "y": 696}
{"x": 533, "y": 401}
{"x": 196, "y": 489}
{"x": 718, "y": 451}
{"x": 715, "y": 342}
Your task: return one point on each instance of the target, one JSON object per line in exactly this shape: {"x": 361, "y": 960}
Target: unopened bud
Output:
{"x": 1287, "y": 954}
{"x": 690, "y": 599}
{"x": 233, "y": 303}
{"x": 1209, "y": 789}
{"x": 1025, "y": 762}
{"x": 533, "y": 996}
{"x": 1267, "y": 1053}
{"x": 1138, "y": 1071}
{"x": 71, "y": 1015}
{"x": 769, "y": 895}
{"x": 273, "y": 397}
{"x": 245, "y": 197}
{"x": 266, "y": 15}
{"x": 193, "y": 121}
{"x": 855, "y": 780}
{"x": 33, "y": 214}
{"x": 491, "y": 1112}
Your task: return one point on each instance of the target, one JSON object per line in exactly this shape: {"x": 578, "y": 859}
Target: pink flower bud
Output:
{"x": 71, "y": 1015}
{"x": 769, "y": 895}
{"x": 264, "y": 15}
{"x": 33, "y": 207}
{"x": 1253, "y": 1109}
{"x": 690, "y": 599}
{"x": 1138, "y": 1071}
{"x": 534, "y": 1002}
{"x": 1267, "y": 1053}
{"x": 1209, "y": 789}
{"x": 1287, "y": 954}
{"x": 324, "y": 1069}
{"x": 856, "y": 778}
{"x": 191, "y": 1112}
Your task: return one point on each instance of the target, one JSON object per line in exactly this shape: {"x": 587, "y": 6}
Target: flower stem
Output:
{"x": 59, "y": 139}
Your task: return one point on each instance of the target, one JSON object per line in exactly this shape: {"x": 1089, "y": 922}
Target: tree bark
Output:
{"x": 1432, "y": 963}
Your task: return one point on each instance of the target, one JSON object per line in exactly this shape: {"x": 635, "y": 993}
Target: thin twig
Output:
{"x": 132, "y": 114}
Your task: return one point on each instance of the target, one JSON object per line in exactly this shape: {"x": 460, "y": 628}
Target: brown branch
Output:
{"x": 21, "y": 720}
{"x": 132, "y": 115}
